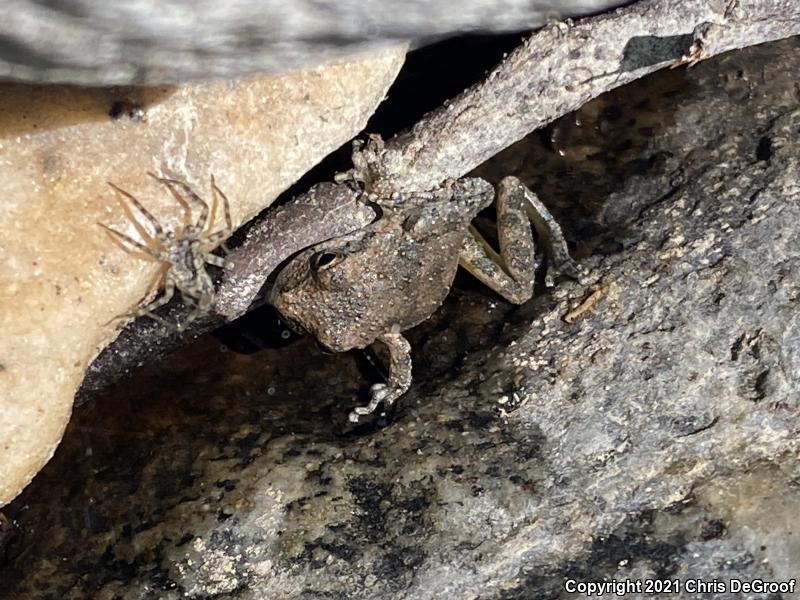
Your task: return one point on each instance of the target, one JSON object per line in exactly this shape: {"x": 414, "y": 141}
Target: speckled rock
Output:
{"x": 642, "y": 424}
{"x": 62, "y": 279}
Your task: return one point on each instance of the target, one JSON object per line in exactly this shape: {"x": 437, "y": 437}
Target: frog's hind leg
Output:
{"x": 547, "y": 228}
{"x": 399, "y": 377}
{"x": 511, "y": 272}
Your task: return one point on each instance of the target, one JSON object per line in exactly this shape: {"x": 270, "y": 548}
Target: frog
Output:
{"x": 380, "y": 280}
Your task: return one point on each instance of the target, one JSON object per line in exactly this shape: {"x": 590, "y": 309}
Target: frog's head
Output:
{"x": 333, "y": 292}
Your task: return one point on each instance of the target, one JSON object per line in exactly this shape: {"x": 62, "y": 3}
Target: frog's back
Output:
{"x": 423, "y": 271}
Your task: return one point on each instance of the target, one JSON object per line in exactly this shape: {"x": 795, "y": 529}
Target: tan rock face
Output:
{"x": 61, "y": 277}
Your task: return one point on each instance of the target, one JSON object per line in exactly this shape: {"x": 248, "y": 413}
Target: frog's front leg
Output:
{"x": 511, "y": 272}
{"x": 399, "y": 376}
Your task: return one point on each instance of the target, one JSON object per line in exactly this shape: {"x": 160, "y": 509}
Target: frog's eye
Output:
{"x": 325, "y": 259}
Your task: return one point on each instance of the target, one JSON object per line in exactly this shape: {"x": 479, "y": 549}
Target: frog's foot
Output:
{"x": 378, "y": 171}
{"x": 511, "y": 272}
{"x": 367, "y": 157}
{"x": 399, "y": 377}
{"x": 377, "y": 393}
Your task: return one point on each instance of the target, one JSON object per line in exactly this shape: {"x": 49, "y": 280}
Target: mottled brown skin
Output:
{"x": 389, "y": 276}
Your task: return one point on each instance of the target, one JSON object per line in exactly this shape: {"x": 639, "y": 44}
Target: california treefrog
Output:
{"x": 374, "y": 283}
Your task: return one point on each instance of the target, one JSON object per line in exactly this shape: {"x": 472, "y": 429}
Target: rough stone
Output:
{"x": 642, "y": 424}
{"x": 93, "y": 42}
{"x": 61, "y": 277}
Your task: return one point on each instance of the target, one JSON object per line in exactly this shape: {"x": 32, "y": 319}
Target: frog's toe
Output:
{"x": 377, "y": 393}
{"x": 378, "y": 389}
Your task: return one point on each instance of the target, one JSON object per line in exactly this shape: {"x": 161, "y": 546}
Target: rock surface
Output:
{"x": 62, "y": 279}
{"x": 93, "y": 42}
{"x": 642, "y": 424}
